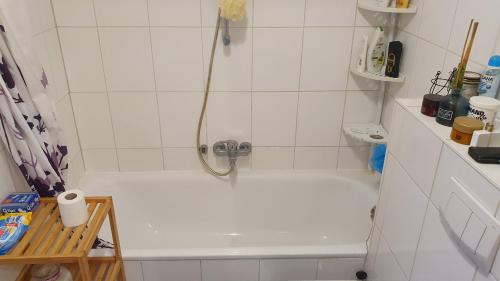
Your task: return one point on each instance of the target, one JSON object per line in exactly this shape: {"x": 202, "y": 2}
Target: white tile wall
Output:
{"x": 135, "y": 119}
{"x": 177, "y": 58}
{"x": 172, "y": 270}
{"x": 244, "y": 269}
{"x": 322, "y": 158}
{"x": 229, "y": 117}
{"x": 140, "y": 159}
{"x": 74, "y": 12}
{"x": 338, "y": 268}
{"x": 121, "y": 12}
{"x": 403, "y": 215}
{"x": 232, "y": 70}
{"x": 274, "y": 118}
{"x": 296, "y": 64}
{"x": 291, "y": 16}
{"x": 230, "y": 270}
{"x": 126, "y": 54}
{"x": 288, "y": 269}
{"x": 93, "y": 120}
{"x": 179, "y": 114}
{"x": 174, "y": 12}
{"x": 82, "y": 58}
{"x": 319, "y": 119}
{"x": 100, "y": 160}
{"x": 325, "y": 62}
{"x": 276, "y": 58}
{"x": 272, "y": 158}
{"x": 412, "y": 243}
{"x": 330, "y": 13}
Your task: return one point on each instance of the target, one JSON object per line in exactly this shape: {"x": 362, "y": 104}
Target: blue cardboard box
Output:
{"x": 20, "y": 202}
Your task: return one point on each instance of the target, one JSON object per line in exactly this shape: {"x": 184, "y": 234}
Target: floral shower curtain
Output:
{"x": 28, "y": 125}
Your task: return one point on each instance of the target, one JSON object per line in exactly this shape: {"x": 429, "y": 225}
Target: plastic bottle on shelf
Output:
{"x": 376, "y": 52}
{"x": 490, "y": 78}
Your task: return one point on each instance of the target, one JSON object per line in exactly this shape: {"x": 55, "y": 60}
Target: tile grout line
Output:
{"x": 115, "y": 137}
{"x": 345, "y": 91}
{"x": 69, "y": 89}
{"x": 158, "y": 114}
{"x": 298, "y": 88}
{"x": 205, "y": 75}
{"x": 251, "y": 87}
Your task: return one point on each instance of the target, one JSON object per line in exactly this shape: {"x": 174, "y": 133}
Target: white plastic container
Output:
{"x": 484, "y": 108}
{"x": 376, "y": 52}
{"x": 361, "y": 64}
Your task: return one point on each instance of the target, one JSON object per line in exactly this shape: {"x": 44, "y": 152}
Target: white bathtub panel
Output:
{"x": 417, "y": 149}
{"x": 133, "y": 270}
{"x": 172, "y": 270}
{"x": 386, "y": 267}
{"x": 290, "y": 269}
{"x": 404, "y": 215}
{"x": 230, "y": 270}
{"x": 338, "y": 269}
{"x": 438, "y": 257}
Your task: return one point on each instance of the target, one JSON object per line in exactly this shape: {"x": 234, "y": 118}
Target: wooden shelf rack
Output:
{"x": 49, "y": 241}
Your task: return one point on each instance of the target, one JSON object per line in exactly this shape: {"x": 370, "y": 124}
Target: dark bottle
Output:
{"x": 454, "y": 104}
{"x": 450, "y": 107}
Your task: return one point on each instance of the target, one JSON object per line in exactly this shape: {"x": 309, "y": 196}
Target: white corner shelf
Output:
{"x": 378, "y": 77}
{"x": 370, "y": 133}
{"x": 370, "y": 5}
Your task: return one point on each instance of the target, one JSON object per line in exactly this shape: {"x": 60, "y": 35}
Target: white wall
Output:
{"x": 433, "y": 40}
{"x": 136, "y": 73}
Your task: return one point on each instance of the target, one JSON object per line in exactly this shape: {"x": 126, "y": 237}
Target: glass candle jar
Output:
{"x": 471, "y": 84}
{"x": 463, "y": 128}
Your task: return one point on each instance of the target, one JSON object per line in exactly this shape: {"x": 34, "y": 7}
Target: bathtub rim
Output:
{"x": 357, "y": 250}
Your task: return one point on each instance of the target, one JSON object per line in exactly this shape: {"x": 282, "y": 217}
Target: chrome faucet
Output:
{"x": 232, "y": 149}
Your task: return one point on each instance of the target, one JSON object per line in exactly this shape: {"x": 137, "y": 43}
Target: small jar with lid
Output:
{"x": 471, "y": 84}
{"x": 463, "y": 128}
{"x": 50, "y": 272}
{"x": 430, "y": 104}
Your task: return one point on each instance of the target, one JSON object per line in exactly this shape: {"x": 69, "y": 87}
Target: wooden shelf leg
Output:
{"x": 85, "y": 269}
{"x": 116, "y": 241}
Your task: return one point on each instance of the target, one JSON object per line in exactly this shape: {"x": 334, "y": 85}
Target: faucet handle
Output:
{"x": 244, "y": 148}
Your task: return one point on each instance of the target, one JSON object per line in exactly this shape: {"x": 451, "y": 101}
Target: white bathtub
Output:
{"x": 194, "y": 216}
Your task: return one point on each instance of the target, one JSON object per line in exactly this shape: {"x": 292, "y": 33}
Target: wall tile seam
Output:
{"x": 298, "y": 86}
{"x": 161, "y": 132}
{"x": 99, "y": 41}
{"x": 409, "y": 175}
{"x": 394, "y": 256}
{"x": 342, "y": 120}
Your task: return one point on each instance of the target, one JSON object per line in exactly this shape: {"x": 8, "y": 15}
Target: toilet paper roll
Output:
{"x": 72, "y": 207}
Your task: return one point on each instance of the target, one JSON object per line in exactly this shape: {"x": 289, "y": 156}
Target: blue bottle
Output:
{"x": 490, "y": 78}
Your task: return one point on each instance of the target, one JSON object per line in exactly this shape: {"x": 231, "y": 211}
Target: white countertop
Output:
{"x": 490, "y": 171}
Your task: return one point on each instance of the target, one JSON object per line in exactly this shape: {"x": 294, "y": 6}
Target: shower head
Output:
{"x": 232, "y": 9}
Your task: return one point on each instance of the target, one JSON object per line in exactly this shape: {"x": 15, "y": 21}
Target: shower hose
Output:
{"x": 204, "y": 109}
